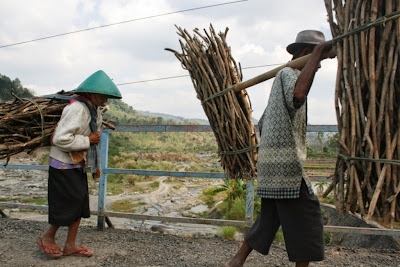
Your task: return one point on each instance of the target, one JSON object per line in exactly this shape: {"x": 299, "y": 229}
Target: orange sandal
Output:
{"x": 81, "y": 252}
{"x": 51, "y": 252}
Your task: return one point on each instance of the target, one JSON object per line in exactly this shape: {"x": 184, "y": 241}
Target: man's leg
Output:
{"x": 240, "y": 256}
{"x": 261, "y": 234}
{"x": 302, "y": 227}
{"x": 70, "y": 244}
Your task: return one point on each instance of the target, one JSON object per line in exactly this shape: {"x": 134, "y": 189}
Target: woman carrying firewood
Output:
{"x": 286, "y": 192}
{"x": 73, "y": 153}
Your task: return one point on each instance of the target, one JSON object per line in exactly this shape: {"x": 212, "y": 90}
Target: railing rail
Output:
{"x": 328, "y": 228}
{"x": 102, "y": 213}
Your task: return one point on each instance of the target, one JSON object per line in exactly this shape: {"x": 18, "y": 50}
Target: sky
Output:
{"x": 259, "y": 31}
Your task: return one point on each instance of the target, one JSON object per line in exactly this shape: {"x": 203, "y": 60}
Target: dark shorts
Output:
{"x": 301, "y": 223}
{"x": 68, "y": 196}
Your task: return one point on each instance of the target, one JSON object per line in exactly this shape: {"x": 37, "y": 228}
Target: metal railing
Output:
{"x": 102, "y": 213}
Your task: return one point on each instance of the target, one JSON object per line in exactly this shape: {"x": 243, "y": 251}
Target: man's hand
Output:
{"x": 94, "y": 138}
{"x": 324, "y": 49}
{"x": 306, "y": 77}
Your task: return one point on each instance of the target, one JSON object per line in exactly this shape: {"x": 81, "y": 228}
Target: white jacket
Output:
{"x": 72, "y": 131}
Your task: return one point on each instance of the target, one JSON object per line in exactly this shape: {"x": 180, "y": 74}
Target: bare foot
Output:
{"x": 234, "y": 263}
{"x": 240, "y": 256}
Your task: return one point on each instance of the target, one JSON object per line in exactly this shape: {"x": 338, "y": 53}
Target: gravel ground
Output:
{"x": 118, "y": 247}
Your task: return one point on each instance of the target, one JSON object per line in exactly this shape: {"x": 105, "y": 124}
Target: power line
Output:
{"x": 152, "y": 80}
{"x": 122, "y": 22}
{"x": 180, "y": 76}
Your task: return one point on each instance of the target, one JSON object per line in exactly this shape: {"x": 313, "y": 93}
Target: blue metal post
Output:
{"x": 249, "y": 200}
{"x": 103, "y": 180}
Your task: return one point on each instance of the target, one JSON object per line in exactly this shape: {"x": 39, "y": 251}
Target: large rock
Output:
{"x": 332, "y": 217}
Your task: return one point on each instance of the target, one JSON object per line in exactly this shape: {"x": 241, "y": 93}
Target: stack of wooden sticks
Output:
{"x": 27, "y": 124}
{"x": 367, "y": 96}
{"x": 212, "y": 69}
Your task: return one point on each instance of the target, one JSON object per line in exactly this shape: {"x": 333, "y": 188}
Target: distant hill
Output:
{"x": 123, "y": 114}
{"x": 119, "y": 112}
{"x": 172, "y": 117}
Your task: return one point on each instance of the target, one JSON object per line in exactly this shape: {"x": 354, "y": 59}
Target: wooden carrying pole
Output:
{"x": 295, "y": 64}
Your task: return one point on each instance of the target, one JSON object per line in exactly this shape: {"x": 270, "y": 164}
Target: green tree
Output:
{"x": 6, "y": 84}
{"x": 332, "y": 141}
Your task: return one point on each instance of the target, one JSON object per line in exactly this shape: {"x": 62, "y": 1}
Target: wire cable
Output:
{"x": 122, "y": 22}
{"x": 181, "y": 76}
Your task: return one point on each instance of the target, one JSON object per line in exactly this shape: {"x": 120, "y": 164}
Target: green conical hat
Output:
{"x": 99, "y": 83}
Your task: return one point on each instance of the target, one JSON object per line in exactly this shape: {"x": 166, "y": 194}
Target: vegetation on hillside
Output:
{"x": 322, "y": 145}
{"x": 123, "y": 114}
{"x": 5, "y": 88}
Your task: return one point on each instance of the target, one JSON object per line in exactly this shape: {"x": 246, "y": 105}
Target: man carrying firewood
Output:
{"x": 74, "y": 151}
{"x": 287, "y": 197}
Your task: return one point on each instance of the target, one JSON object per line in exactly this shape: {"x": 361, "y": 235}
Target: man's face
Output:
{"x": 306, "y": 50}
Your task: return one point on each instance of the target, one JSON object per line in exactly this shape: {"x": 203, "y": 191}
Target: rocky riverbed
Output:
{"x": 166, "y": 200}
{"x": 151, "y": 243}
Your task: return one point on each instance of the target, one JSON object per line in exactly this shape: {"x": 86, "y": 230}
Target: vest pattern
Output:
{"x": 282, "y": 150}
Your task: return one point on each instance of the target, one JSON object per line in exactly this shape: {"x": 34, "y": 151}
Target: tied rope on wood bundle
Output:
{"x": 27, "y": 124}
{"x": 212, "y": 70}
{"x": 367, "y": 177}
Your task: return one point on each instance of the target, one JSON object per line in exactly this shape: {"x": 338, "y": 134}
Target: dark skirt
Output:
{"x": 68, "y": 196}
{"x": 301, "y": 222}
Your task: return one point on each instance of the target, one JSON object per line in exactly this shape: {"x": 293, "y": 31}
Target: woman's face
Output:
{"x": 98, "y": 99}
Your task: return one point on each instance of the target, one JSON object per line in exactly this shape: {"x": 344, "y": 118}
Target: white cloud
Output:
{"x": 259, "y": 32}
{"x": 321, "y": 111}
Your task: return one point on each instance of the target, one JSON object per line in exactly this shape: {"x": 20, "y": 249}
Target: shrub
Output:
{"x": 327, "y": 238}
{"x": 279, "y": 236}
{"x": 37, "y": 201}
{"x": 257, "y": 205}
{"x": 115, "y": 178}
{"x": 237, "y": 211}
{"x": 44, "y": 160}
{"x": 154, "y": 185}
{"x": 209, "y": 200}
{"x": 228, "y": 232}
{"x": 131, "y": 180}
{"x": 213, "y": 190}
{"x": 123, "y": 205}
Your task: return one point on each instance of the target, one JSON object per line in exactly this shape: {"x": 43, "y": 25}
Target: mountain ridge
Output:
{"x": 167, "y": 116}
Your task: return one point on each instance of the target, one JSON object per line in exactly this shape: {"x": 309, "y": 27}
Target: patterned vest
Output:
{"x": 282, "y": 150}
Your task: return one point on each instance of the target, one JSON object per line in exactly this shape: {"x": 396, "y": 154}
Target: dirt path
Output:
{"x": 149, "y": 198}
{"x": 131, "y": 248}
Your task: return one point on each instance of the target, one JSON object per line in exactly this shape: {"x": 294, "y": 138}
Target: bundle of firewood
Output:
{"x": 213, "y": 71}
{"x": 367, "y": 95}
{"x": 27, "y": 124}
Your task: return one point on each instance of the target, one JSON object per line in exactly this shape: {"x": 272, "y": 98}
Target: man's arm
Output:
{"x": 306, "y": 77}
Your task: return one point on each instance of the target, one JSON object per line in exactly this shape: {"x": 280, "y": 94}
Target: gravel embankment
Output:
{"x": 131, "y": 248}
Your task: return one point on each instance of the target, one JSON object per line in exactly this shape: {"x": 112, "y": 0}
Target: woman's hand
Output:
{"x": 94, "y": 138}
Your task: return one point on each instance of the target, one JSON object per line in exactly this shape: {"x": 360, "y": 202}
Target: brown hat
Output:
{"x": 307, "y": 37}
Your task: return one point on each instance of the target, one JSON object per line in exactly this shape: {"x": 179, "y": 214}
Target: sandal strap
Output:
{"x": 82, "y": 249}
{"x": 50, "y": 247}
